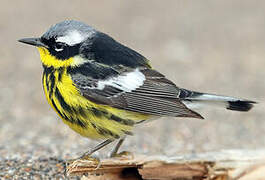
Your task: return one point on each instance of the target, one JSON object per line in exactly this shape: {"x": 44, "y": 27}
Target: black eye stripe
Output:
{"x": 61, "y": 50}
{"x": 59, "y": 45}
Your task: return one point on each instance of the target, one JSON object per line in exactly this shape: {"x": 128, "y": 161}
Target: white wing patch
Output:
{"x": 72, "y": 38}
{"x": 126, "y": 82}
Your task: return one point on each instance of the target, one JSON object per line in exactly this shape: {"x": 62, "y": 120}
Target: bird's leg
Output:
{"x": 87, "y": 155}
{"x": 114, "y": 152}
{"x": 96, "y": 148}
{"x": 117, "y": 147}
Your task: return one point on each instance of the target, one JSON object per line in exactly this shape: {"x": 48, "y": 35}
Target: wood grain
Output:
{"x": 222, "y": 165}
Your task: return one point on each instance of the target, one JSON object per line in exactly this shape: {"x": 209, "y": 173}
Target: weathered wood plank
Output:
{"x": 223, "y": 165}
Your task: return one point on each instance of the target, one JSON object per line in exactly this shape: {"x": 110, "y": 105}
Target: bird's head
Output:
{"x": 61, "y": 45}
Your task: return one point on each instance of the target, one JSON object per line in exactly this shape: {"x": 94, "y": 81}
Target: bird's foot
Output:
{"x": 93, "y": 160}
{"x": 123, "y": 154}
{"x": 85, "y": 157}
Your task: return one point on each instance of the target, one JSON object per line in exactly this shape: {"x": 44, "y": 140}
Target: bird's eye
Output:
{"x": 59, "y": 47}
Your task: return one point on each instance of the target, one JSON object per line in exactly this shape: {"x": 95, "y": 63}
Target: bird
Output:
{"x": 102, "y": 89}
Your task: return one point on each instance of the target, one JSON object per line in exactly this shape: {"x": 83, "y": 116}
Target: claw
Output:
{"x": 84, "y": 157}
{"x": 123, "y": 154}
{"x": 89, "y": 158}
{"x": 95, "y": 161}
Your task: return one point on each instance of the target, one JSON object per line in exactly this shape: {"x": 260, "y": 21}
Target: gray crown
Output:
{"x": 62, "y": 28}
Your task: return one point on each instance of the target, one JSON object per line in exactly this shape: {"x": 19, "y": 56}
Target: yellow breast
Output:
{"x": 83, "y": 116}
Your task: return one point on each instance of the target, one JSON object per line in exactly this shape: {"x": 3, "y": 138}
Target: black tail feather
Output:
{"x": 240, "y": 105}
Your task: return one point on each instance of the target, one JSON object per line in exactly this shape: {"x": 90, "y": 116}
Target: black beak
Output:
{"x": 33, "y": 41}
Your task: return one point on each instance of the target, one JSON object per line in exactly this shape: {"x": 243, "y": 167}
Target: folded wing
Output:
{"x": 140, "y": 90}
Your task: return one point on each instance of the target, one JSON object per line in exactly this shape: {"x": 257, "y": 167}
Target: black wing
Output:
{"x": 155, "y": 96}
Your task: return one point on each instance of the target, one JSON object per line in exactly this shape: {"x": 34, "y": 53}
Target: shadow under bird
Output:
{"x": 101, "y": 89}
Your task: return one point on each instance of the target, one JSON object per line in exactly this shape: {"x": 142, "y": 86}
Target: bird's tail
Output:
{"x": 195, "y": 100}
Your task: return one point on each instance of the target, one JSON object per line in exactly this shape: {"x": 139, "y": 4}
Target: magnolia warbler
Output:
{"x": 101, "y": 88}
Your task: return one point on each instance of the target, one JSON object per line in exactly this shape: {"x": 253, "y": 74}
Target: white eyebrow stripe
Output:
{"x": 72, "y": 38}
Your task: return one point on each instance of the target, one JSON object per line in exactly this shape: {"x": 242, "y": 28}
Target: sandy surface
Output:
{"x": 209, "y": 46}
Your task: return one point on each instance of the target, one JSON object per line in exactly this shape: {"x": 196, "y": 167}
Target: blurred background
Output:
{"x": 209, "y": 46}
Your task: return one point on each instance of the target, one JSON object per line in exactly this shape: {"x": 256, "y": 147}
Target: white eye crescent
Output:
{"x": 58, "y": 50}
{"x": 59, "y": 47}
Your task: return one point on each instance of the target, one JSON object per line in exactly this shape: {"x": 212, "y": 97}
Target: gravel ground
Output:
{"x": 27, "y": 168}
{"x": 204, "y": 45}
